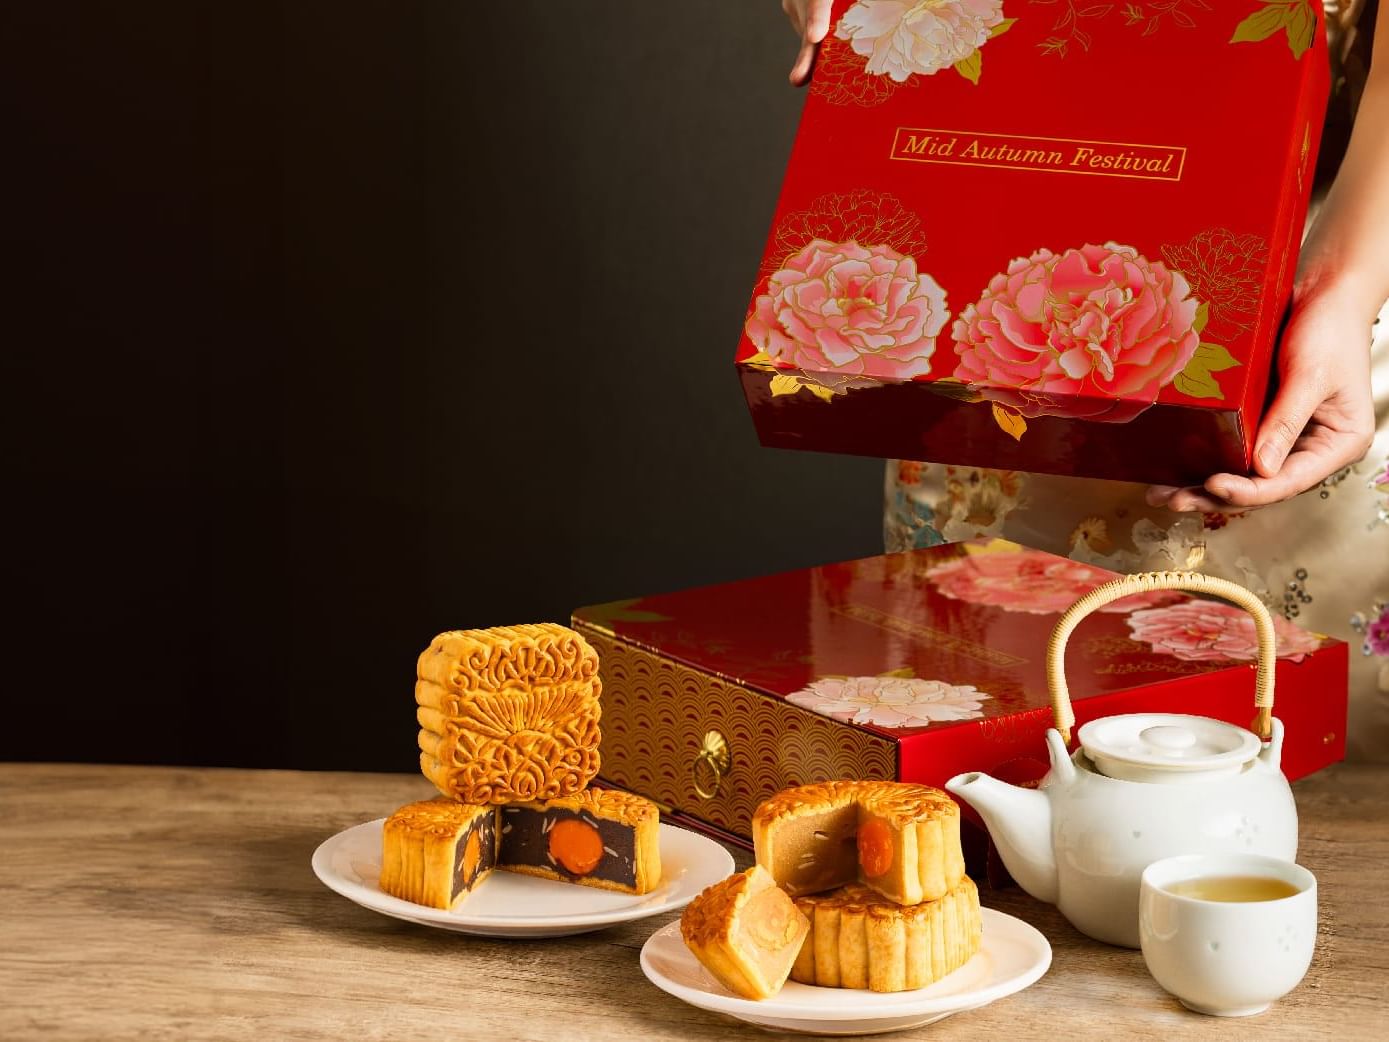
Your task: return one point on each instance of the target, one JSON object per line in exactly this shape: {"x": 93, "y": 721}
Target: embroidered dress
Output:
{"x": 1320, "y": 559}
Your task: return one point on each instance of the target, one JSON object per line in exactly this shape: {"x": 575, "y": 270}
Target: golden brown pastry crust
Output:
{"x": 612, "y": 804}
{"x": 744, "y": 961}
{"x": 419, "y": 846}
{"x": 626, "y": 809}
{"x": 922, "y": 823}
{"x": 509, "y": 713}
{"x": 859, "y": 939}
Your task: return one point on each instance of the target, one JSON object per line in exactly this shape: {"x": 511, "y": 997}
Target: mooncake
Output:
{"x": 900, "y": 839}
{"x": 746, "y": 931}
{"x": 599, "y": 837}
{"x": 859, "y": 939}
{"x": 434, "y": 852}
{"x": 508, "y": 714}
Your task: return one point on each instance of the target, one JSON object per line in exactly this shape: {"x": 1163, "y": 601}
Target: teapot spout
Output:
{"x": 1019, "y": 822}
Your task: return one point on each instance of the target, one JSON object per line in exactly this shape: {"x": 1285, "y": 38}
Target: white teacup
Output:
{"x": 1221, "y": 945}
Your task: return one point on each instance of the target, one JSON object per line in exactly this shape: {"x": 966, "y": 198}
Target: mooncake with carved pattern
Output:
{"x": 860, "y": 939}
{"x": 900, "y": 839}
{"x": 436, "y": 851}
{"x": 508, "y": 714}
{"x": 746, "y": 932}
{"x": 602, "y": 838}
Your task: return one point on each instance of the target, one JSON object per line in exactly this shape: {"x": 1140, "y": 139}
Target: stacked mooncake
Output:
{"x": 874, "y": 878}
{"x": 509, "y": 735}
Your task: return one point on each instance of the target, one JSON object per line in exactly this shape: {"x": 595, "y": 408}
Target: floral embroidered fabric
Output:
{"x": 1320, "y": 560}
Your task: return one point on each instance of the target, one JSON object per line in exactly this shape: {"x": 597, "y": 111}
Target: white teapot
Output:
{"x": 1141, "y": 787}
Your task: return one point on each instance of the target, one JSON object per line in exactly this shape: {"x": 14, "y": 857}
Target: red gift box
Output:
{"x": 1052, "y": 236}
{"x": 917, "y": 666}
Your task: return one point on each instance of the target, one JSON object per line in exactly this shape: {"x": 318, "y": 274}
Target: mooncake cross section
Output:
{"x": 746, "y": 931}
{"x": 900, "y": 839}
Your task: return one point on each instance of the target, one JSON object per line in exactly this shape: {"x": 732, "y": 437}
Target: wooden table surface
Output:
{"x": 170, "y": 903}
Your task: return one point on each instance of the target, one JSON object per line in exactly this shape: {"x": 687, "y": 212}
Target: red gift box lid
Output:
{"x": 1053, "y": 235}
{"x": 943, "y": 648}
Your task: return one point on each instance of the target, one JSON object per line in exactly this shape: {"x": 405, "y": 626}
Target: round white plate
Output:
{"x": 509, "y": 905}
{"x": 1012, "y": 956}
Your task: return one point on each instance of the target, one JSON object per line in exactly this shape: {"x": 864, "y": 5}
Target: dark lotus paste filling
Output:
{"x": 526, "y": 842}
{"x": 486, "y": 829}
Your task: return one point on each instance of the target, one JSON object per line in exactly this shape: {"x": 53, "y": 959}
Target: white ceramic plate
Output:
{"x": 509, "y": 905}
{"x": 1012, "y": 956}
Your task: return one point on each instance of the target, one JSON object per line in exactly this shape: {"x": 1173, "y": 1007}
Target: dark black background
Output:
{"x": 333, "y": 325}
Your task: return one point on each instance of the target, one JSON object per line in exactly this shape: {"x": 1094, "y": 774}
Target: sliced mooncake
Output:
{"x": 434, "y": 852}
{"x": 599, "y": 837}
{"x": 859, "y": 939}
{"x": 901, "y": 839}
{"x": 746, "y": 932}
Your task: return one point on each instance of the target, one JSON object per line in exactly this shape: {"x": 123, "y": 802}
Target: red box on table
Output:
{"x": 916, "y": 667}
{"x": 1041, "y": 235}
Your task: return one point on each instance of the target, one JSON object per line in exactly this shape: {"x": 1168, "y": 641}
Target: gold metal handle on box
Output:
{"x": 714, "y": 759}
{"x": 1148, "y": 582}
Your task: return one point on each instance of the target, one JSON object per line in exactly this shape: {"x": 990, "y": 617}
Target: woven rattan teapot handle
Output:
{"x": 1148, "y": 582}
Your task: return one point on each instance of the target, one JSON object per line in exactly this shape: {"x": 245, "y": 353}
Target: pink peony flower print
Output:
{"x": 849, "y": 309}
{"x": 1031, "y": 581}
{"x": 1212, "y": 631}
{"x": 890, "y": 701}
{"x": 1377, "y": 635}
{"x": 1094, "y": 333}
{"x": 903, "y": 37}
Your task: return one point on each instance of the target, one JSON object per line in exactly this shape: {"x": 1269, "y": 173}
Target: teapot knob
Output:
{"x": 1168, "y": 737}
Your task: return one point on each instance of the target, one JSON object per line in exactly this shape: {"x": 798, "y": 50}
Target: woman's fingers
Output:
{"x": 805, "y": 60}
{"x": 1287, "y": 418}
{"x": 1188, "y": 499}
{"x": 811, "y": 20}
{"x": 817, "y": 23}
{"x": 1321, "y": 420}
{"x": 1161, "y": 495}
{"x": 1300, "y": 471}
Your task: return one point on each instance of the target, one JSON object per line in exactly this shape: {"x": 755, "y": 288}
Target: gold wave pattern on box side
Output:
{"x": 657, "y": 713}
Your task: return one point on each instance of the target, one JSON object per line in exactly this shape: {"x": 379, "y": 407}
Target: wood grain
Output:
{"x": 166, "y": 903}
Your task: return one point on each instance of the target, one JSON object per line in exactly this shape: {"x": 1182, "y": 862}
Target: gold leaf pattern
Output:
{"x": 1009, "y": 421}
{"x": 784, "y": 384}
{"x": 1296, "y": 19}
{"x": 1146, "y": 18}
{"x": 971, "y": 68}
{"x": 1197, "y": 379}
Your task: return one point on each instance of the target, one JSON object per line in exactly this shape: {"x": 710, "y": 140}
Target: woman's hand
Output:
{"x": 1323, "y": 416}
{"x": 811, "y": 20}
{"x": 1321, "y": 420}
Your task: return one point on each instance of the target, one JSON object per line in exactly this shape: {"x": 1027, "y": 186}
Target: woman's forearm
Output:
{"x": 1347, "y": 252}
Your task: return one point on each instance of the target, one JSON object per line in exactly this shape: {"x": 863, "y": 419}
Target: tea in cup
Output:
{"x": 1227, "y": 933}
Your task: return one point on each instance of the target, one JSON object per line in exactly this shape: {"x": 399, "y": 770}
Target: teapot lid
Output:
{"x": 1166, "y": 747}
